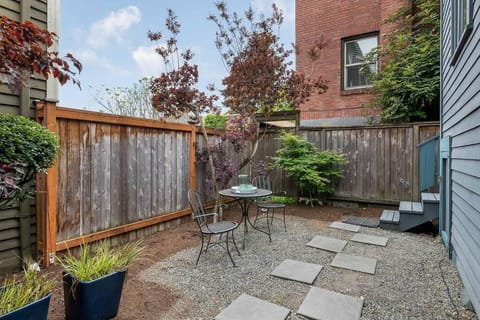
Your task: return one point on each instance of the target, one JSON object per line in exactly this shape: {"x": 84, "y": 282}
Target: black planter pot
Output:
{"x": 37, "y": 310}
{"x": 98, "y": 299}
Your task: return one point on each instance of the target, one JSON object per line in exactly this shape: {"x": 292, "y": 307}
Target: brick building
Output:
{"x": 351, "y": 29}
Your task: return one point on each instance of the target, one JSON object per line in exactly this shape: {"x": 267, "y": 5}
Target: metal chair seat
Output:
{"x": 219, "y": 227}
{"x": 271, "y": 205}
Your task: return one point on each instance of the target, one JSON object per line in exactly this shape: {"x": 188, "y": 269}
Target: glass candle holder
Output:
{"x": 243, "y": 181}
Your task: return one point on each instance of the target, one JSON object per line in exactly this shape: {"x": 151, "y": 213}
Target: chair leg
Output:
{"x": 201, "y": 249}
{"x": 256, "y": 217}
{"x": 235, "y": 244}
{"x": 208, "y": 243}
{"x": 284, "y": 224}
{"x": 228, "y": 251}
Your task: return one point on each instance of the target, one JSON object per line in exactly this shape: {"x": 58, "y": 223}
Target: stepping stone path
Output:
{"x": 355, "y": 263}
{"x": 363, "y": 221}
{"x": 247, "y": 307}
{"x": 369, "y": 239}
{"x": 328, "y": 244}
{"x": 321, "y": 304}
{"x": 344, "y": 226}
{"x": 297, "y": 271}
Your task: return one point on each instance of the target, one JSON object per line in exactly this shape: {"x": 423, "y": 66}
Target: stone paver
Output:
{"x": 369, "y": 239}
{"x": 344, "y": 226}
{"x": 328, "y": 244}
{"x": 247, "y": 307}
{"x": 355, "y": 263}
{"x": 321, "y": 304}
{"x": 297, "y": 271}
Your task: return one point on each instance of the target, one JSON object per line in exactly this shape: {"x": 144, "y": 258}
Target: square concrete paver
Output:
{"x": 344, "y": 226}
{"x": 355, "y": 263}
{"x": 321, "y": 304}
{"x": 297, "y": 271}
{"x": 369, "y": 239}
{"x": 328, "y": 244}
{"x": 247, "y": 307}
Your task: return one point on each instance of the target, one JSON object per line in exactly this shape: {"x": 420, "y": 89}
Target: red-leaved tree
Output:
{"x": 24, "y": 52}
{"x": 259, "y": 77}
{"x": 260, "y": 73}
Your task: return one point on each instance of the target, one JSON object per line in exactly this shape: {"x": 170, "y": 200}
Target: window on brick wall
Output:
{"x": 355, "y": 73}
{"x": 461, "y": 26}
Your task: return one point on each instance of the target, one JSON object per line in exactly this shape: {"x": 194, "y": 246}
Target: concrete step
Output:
{"x": 430, "y": 197}
{"x": 390, "y": 220}
{"x": 409, "y": 207}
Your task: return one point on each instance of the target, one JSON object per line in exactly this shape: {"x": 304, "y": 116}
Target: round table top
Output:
{"x": 259, "y": 193}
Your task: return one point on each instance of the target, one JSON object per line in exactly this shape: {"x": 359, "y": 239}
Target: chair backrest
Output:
{"x": 263, "y": 182}
{"x": 198, "y": 210}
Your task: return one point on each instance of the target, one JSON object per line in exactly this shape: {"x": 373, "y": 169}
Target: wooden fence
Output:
{"x": 116, "y": 175}
{"x": 113, "y": 175}
{"x": 382, "y": 160}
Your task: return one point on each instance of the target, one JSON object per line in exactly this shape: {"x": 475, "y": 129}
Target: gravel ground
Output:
{"x": 407, "y": 283}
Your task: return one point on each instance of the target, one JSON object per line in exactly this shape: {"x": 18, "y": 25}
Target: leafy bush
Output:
{"x": 27, "y": 148}
{"x": 408, "y": 86}
{"x": 94, "y": 264}
{"x": 312, "y": 169}
{"x": 215, "y": 121}
{"x": 18, "y": 292}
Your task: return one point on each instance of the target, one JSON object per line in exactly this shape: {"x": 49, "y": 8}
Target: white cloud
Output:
{"x": 148, "y": 61}
{"x": 113, "y": 26}
{"x": 91, "y": 60}
{"x": 287, "y": 7}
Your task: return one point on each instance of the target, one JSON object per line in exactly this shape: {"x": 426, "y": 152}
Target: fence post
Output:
{"x": 416, "y": 141}
{"x": 47, "y": 205}
{"x": 193, "y": 137}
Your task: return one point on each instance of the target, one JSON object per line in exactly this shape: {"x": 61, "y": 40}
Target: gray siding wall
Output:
{"x": 461, "y": 121}
{"x": 18, "y": 221}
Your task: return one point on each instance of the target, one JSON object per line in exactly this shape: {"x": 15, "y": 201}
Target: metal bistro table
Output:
{"x": 245, "y": 200}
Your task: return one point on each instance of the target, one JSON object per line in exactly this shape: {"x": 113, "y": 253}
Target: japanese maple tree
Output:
{"x": 260, "y": 73}
{"x": 24, "y": 51}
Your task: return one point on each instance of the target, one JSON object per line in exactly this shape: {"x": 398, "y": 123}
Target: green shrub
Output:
{"x": 27, "y": 148}
{"x": 312, "y": 169}
{"x": 18, "y": 292}
{"x": 215, "y": 121}
{"x": 103, "y": 260}
{"x": 283, "y": 199}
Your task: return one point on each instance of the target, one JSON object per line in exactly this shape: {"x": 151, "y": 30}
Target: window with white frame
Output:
{"x": 461, "y": 25}
{"x": 356, "y": 74}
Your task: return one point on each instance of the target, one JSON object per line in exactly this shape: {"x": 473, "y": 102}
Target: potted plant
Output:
{"x": 93, "y": 280}
{"x": 26, "y": 298}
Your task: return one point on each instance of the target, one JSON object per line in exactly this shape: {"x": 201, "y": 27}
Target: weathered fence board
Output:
{"x": 382, "y": 161}
{"x": 113, "y": 175}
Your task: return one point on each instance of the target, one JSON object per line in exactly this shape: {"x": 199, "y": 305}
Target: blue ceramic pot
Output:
{"x": 98, "y": 299}
{"x": 37, "y": 310}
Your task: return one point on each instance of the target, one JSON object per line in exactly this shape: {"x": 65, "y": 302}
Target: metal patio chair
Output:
{"x": 265, "y": 204}
{"x": 208, "y": 228}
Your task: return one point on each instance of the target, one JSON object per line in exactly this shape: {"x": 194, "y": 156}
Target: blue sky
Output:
{"x": 110, "y": 39}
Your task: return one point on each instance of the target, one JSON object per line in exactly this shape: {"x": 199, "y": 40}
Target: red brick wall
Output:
{"x": 335, "y": 20}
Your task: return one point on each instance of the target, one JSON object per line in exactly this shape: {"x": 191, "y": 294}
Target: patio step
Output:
{"x": 411, "y": 214}
{"x": 390, "y": 219}
{"x": 409, "y": 207}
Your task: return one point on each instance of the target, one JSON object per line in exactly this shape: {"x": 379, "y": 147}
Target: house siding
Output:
{"x": 336, "y": 20}
{"x": 18, "y": 224}
{"x": 461, "y": 121}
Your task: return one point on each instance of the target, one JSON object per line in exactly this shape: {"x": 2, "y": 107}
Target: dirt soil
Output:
{"x": 145, "y": 300}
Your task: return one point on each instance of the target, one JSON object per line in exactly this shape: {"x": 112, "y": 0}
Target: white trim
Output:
{"x": 53, "y": 25}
